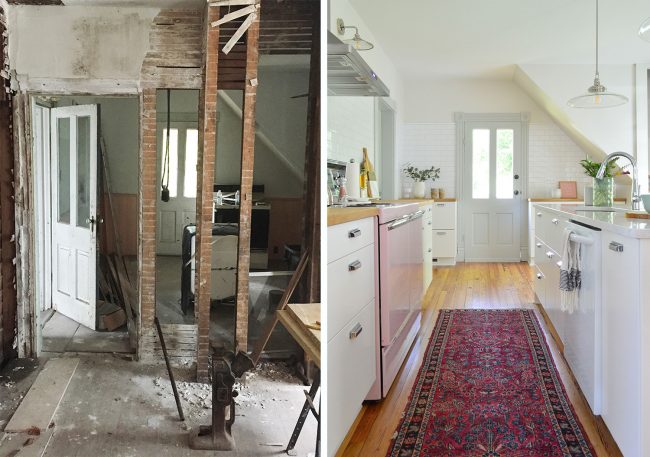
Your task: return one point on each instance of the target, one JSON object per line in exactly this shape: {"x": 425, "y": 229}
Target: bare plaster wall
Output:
{"x": 79, "y": 41}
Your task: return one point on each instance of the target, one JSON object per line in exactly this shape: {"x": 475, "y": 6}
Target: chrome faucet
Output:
{"x": 636, "y": 200}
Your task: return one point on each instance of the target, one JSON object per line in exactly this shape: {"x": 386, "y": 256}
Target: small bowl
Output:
{"x": 646, "y": 202}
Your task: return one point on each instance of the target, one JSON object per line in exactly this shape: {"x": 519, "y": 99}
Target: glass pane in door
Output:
{"x": 63, "y": 135}
{"x": 481, "y": 163}
{"x": 504, "y": 169}
{"x": 83, "y": 171}
{"x": 191, "y": 153}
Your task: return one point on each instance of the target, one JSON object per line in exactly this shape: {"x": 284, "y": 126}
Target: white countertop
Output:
{"x": 611, "y": 221}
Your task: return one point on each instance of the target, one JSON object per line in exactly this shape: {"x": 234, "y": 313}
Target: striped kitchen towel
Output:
{"x": 570, "y": 280}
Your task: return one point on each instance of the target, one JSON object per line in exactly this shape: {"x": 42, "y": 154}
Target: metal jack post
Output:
{"x": 226, "y": 366}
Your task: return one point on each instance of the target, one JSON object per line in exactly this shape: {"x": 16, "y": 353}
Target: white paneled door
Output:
{"x": 74, "y": 211}
{"x": 491, "y": 194}
{"x": 180, "y": 210}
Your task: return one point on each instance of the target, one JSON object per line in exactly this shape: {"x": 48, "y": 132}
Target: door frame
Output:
{"x": 41, "y": 195}
{"x": 462, "y": 119}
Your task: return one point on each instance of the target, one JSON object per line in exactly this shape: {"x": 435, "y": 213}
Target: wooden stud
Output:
{"x": 246, "y": 183}
{"x": 311, "y": 196}
{"x": 240, "y": 32}
{"x": 235, "y": 14}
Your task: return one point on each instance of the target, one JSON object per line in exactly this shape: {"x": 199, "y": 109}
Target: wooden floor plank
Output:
{"x": 467, "y": 285}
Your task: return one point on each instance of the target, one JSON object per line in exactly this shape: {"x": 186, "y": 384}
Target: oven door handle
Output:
{"x": 398, "y": 222}
{"x": 417, "y": 215}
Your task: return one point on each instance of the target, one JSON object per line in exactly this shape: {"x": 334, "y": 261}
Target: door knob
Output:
{"x": 516, "y": 192}
{"x": 516, "y": 176}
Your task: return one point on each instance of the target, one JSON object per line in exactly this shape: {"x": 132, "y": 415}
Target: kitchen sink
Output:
{"x": 602, "y": 209}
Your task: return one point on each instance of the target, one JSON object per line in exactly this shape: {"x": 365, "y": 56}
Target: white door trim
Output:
{"x": 642, "y": 153}
{"x": 461, "y": 119}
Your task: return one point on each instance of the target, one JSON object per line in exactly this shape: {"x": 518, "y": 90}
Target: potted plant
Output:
{"x": 420, "y": 177}
{"x": 603, "y": 189}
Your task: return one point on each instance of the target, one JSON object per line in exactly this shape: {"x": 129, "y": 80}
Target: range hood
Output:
{"x": 348, "y": 74}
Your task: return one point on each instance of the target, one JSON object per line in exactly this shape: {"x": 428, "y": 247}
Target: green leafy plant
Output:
{"x": 591, "y": 168}
{"x": 427, "y": 174}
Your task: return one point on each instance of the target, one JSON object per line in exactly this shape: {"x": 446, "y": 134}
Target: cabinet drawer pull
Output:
{"x": 429, "y": 223}
{"x": 356, "y": 331}
{"x": 549, "y": 254}
{"x": 441, "y": 233}
{"x": 440, "y": 204}
{"x": 539, "y": 245}
{"x": 354, "y": 233}
{"x": 354, "y": 265}
{"x": 540, "y": 276}
{"x": 539, "y": 214}
{"x": 555, "y": 221}
{"x": 616, "y": 247}
{"x": 430, "y": 249}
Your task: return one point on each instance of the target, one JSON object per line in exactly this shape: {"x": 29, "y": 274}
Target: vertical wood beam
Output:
{"x": 246, "y": 182}
{"x": 147, "y": 222}
{"x": 205, "y": 182}
{"x": 310, "y": 287}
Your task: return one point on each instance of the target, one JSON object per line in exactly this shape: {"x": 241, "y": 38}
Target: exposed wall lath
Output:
{"x": 7, "y": 219}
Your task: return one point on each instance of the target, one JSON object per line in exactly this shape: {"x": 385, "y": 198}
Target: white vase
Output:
{"x": 418, "y": 189}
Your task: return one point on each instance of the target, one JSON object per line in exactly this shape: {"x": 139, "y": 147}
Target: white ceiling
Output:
{"x": 485, "y": 38}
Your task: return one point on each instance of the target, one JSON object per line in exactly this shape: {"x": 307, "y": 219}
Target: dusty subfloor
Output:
{"x": 126, "y": 409}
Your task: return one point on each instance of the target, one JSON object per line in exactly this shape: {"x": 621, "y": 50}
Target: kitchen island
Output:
{"x": 610, "y": 360}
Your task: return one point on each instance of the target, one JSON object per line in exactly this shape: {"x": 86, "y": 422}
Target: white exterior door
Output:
{"x": 491, "y": 193}
{"x": 74, "y": 211}
{"x": 180, "y": 210}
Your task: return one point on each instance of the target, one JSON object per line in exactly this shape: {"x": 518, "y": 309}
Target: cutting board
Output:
{"x": 637, "y": 215}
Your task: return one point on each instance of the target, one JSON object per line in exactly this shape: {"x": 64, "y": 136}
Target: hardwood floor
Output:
{"x": 468, "y": 285}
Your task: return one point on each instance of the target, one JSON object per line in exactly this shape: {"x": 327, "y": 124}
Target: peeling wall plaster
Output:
{"x": 79, "y": 42}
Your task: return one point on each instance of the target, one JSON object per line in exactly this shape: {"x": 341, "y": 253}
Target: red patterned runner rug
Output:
{"x": 488, "y": 387}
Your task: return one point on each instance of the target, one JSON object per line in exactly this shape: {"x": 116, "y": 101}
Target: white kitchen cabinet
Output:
{"x": 621, "y": 400}
{"x": 444, "y": 241}
{"x": 427, "y": 245}
{"x": 351, "y": 324}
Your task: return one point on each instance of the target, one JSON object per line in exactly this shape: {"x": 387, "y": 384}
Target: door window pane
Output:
{"x": 191, "y": 153}
{"x": 481, "y": 163}
{"x": 173, "y": 160}
{"x": 63, "y": 136}
{"x": 504, "y": 155}
{"x": 83, "y": 171}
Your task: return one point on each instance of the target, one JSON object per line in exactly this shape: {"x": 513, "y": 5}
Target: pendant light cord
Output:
{"x": 164, "y": 182}
{"x": 597, "y": 75}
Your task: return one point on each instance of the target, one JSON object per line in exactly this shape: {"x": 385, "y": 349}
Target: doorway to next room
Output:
{"x": 85, "y": 154}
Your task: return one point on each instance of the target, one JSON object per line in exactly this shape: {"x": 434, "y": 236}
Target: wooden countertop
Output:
{"x": 559, "y": 200}
{"x": 421, "y": 200}
{"x": 302, "y": 320}
{"x": 336, "y": 216}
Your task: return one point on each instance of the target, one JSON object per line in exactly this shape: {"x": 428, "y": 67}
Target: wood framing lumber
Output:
{"x": 235, "y": 14}
{"x": 240, "y": 32}
{"x": 231, "y": 2}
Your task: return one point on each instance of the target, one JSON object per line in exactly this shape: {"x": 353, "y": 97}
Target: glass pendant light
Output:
{"x": 644, "y": 30}
{"x": 597, "y": 95}
{"x": 357, "y": 42}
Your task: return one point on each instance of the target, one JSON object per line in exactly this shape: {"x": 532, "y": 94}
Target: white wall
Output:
{"x": 381, "y": 64}
{"x": 79, "y": 41}
{"x": 611, "y": 129}
{"x": 350, "y": 127}
{"x": 436, "y": 100}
